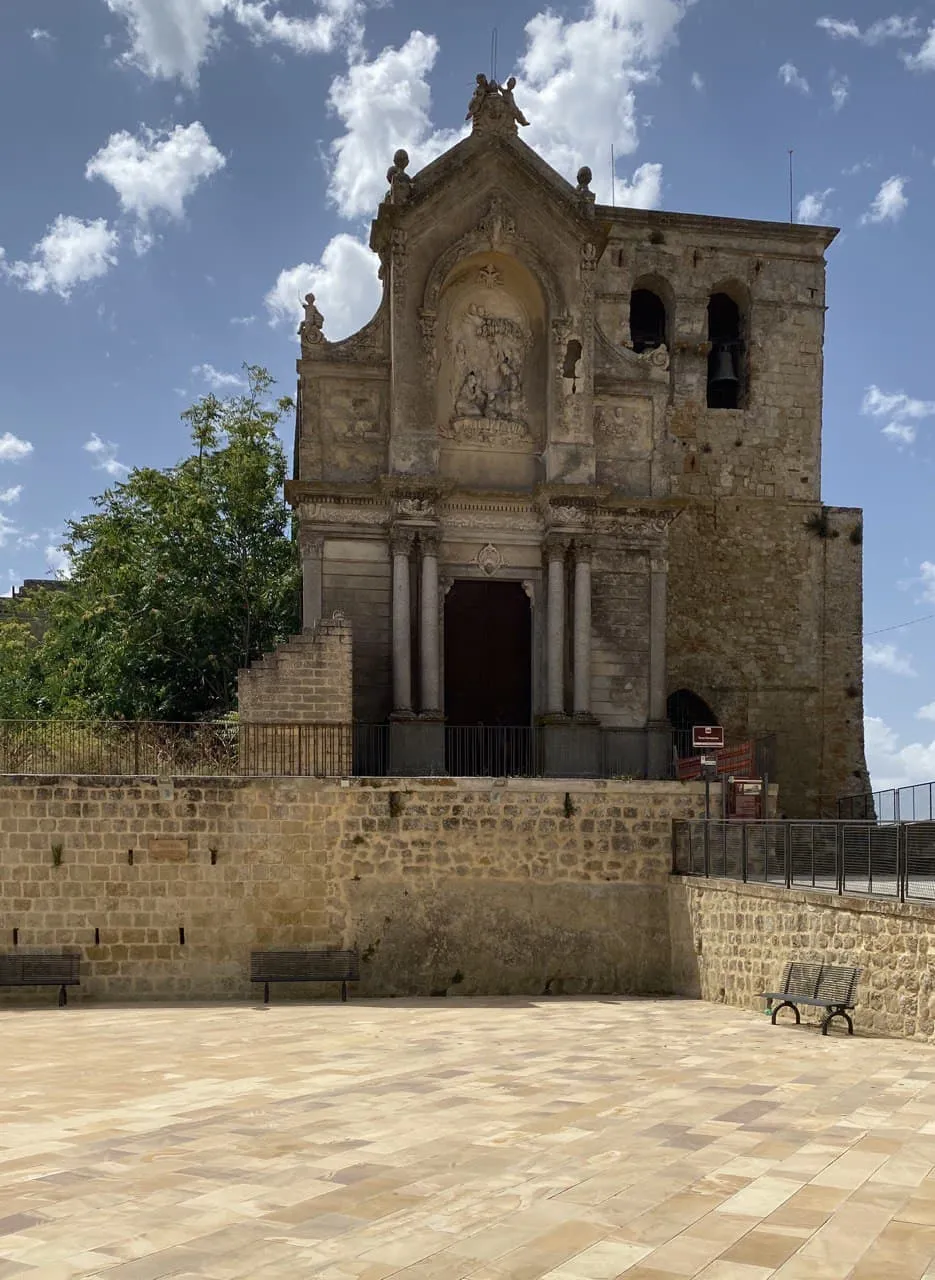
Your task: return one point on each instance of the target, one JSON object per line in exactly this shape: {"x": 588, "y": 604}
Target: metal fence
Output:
{"x": 230, "y": 749}
{"x": 898, "y": 804}
{"x": 893, "y": 860}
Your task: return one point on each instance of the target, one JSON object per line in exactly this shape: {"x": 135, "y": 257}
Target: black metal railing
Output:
{"x": 892, "y": 860}
{"x": 915, "y": 803}
{"x": 231, "y": 749}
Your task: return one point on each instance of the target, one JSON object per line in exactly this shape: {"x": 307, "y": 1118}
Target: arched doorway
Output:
{"x": 686, "y": 709}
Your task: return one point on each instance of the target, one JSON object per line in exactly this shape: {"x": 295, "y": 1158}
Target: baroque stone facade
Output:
{"x": 596, "y": 430}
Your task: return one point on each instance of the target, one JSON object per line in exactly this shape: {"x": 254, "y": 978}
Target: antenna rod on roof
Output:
{"x": 791, "y": 200}
{"x": 493, "y": 54}
{"x": 613, "y": 179}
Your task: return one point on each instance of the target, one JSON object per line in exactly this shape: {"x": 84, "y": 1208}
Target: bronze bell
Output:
{"x": 722, "y": 367}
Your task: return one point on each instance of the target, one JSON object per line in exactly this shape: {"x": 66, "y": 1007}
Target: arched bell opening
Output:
{"x": 686, "y": 709}
{"x": 726, "y": 360}
{"x": 647, "y": 320}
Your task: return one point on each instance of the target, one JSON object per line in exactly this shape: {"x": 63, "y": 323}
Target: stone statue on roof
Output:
{"x": 493, "y": 107}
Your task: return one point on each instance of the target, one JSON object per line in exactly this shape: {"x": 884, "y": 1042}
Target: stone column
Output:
{"x": 401, "y": 544}
{"x": 659, "y": 745}
{"x": 311, "y": 546}
{"x": 555, "y": 627}
{"x": 582, "y": 633}
{"x": 429, "y": 630}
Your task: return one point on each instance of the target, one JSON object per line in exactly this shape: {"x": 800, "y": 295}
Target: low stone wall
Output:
{"x": 448, "y": 884}
{"x": 731, "y": 940}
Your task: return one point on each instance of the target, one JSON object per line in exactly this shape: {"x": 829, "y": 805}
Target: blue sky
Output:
{"x": 177, "y": 173}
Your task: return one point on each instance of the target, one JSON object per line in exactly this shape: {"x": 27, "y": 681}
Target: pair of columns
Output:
{"x": 401, "y": 542}
{"x": 555, "y": 554}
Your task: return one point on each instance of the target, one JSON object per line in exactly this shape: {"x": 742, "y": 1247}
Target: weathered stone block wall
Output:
{"x": 448, "y": 884}
{"x": 357, "y": 582}
{"x": 764, "y": 624}
{"x": 308, "y": 679}
{"x": 730, "y": 942}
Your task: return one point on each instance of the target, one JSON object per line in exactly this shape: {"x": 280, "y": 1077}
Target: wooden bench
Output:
{"x": 304, "y": 966}
{"x": 831, "y": 987}
{"x": 41, "y": 969}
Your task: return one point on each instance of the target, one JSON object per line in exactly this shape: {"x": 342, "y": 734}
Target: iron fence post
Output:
{"x": 902, "y": 862}
{"x": 706, "y": 850}
{"x": 136, "y": 747}
{"x": 787, "y": 855}
{"x": 839, "y": 856}
{"x": 743, "y": 852}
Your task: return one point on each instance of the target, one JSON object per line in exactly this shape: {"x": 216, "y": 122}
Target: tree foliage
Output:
{"x": 180, "y": 577}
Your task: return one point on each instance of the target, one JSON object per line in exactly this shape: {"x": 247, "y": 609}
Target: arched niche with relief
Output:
{"x": 492, "y": 373}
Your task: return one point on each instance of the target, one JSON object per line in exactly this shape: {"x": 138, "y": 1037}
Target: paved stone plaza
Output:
{"x": 497, "y": 1139}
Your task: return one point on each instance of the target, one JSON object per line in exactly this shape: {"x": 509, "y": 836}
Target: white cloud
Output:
{"x": 156, "y": 171}
{"x": 903, "y": 412}
{"x": 13, "y": 449}
{"x": 104, "y": 453}
{"x": 71, "y": 252}
{"x": 579, "y": 82}
{"x": 792, "y": 79}
{"x": 890, "y": 202}
{"x": 840, "y": 88}
{"x": 813, "y": 207}
{"x": 644, "y": 192}
{"x": 40, "y": 33}
{"x": 171, "y": 39}
{"x": 244, "y": 320}
{"x": 697, "y": 81}
{"x": 924, "y": 60}
{"x": 7, "y": 529}
{"x": 217, "y": 380}
{"x": 927, "y": 712}
{"x": 892, "y": 765}
{"x": 12, "y": 494}
{"x": 344, "y": 283}
{"x": 892, "y": 28}
{"x": 383, "y": 105}
{"x": 927, "y": 578}
{"x": 857, "y": 168}
{"x": 888, "y": 658}
{"x": 58, "y": 561}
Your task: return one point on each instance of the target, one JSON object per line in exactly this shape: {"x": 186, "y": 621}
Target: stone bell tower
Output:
{"x": 493, "y": 476}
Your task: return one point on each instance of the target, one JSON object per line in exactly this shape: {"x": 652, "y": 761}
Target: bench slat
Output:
{"x": 40, "y": 969}
{"x": 304, "y": 966}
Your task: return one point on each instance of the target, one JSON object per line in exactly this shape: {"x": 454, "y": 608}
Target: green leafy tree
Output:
{"x": 179, "y": 578}
{"x": 18, "y": 646}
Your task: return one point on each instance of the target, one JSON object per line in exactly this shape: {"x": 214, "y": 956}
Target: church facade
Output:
{"x": 569, "y": 475}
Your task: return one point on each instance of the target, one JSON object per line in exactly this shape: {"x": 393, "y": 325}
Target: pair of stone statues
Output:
{"x": 487, "y": 94}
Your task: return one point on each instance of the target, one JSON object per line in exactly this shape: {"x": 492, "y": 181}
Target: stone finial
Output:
{"x": 310, "y": 330}
{"x": 399, "y": 180}
{"x": 583, "y": 189}
{"x": 493, "y": 108}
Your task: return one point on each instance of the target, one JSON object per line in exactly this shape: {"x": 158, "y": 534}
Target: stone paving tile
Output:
{"x": 504, "y": 1139}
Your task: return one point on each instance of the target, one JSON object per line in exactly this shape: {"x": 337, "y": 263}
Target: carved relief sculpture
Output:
{"x": 489, "y": 353}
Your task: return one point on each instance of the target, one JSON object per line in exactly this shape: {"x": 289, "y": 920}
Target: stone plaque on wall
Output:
{"x": 168, "y": 848}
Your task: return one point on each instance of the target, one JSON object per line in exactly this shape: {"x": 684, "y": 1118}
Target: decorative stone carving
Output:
{"x": 489, "y": 559}
{"x": 310, "y": 330}
{"x": 658, "y": 563}
{"x": 490, "y": 277}
{"x": 492, "y": 107}
{"x": 339, "y": 513}
{"x": 497, "y": 223}
{"x": 524, "y": 521}
{"x": 489, "y": 352}
{"x": 566, "y": 515}
{"x": 399, "y": 257}
{"x": 658, "y": 357}
{"x": 399, "y": 180}
{"x": 401, "y": 540}
{"x": 416, "y": 508}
